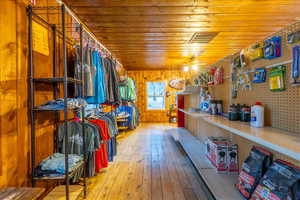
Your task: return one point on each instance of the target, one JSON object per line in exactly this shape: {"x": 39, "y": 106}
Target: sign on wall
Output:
{"x": 40, "y": 39}
{"x": 177, "y": 84}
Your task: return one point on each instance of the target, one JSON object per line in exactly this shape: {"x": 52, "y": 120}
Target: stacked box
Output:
{"x": 222, "y": 153}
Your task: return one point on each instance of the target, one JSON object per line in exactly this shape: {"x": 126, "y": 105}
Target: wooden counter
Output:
{"x": 280, "y": 141}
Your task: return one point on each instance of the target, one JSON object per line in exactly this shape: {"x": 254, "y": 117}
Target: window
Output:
{"x": 156, "y": 95}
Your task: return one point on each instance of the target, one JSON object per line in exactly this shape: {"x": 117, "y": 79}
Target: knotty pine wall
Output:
{"x": 141, "y": 78}
{"x": 14, "y": 117}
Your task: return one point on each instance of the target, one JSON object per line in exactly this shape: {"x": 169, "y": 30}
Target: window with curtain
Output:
{"x": 156, "y": 95}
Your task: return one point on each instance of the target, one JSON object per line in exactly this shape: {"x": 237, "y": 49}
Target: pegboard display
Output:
{"x": 282, "y": 109}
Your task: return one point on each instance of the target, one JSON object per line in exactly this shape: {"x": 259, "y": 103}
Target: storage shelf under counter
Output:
{"x": 283, "y": 142}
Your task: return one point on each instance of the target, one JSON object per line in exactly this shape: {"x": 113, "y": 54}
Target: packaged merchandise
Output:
{"x": 253, "y": 169}
{"x": 293, "y": 37}
{"x": 257, "y": 115}
{"x": 259, "y": 75}
{"x": 256, "y": 51}
{"x": 280, "y": 182}
{"x": 232, "y": 158}
{"x": 222, "y": 153}
{"x": 277, "y": 79}
{"x": 296, "y": 64}
{"x": 272, "y": 47}
{"x": 236, "y": 63}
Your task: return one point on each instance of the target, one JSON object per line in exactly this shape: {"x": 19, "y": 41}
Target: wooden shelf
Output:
{"x": 280, "y": 141}
{"x": 221, "y": 185}
{"x": 59, "y": 192}
{"x": 77, "y": 168}
{"x": 194, "y": 114}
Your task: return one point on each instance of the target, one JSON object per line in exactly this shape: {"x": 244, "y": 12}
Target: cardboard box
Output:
{"x": 222, "y": 154}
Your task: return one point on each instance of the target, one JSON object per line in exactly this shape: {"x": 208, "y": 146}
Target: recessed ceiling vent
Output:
{"x": 203, "y": 37}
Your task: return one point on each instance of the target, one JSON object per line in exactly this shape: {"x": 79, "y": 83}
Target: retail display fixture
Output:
{"x": 55, "y": 80}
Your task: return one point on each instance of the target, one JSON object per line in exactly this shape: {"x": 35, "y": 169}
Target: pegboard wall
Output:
{"x": 282, "y": 109}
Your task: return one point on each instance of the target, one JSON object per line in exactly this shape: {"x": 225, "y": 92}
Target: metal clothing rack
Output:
{"x": 55, "y": 81}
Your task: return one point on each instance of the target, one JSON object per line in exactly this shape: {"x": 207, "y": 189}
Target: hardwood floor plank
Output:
{"x": 149, "y": 166}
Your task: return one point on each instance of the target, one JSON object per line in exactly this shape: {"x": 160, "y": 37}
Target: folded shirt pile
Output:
{"x": 58, "y": 104}
{"x": 54, "y": 165}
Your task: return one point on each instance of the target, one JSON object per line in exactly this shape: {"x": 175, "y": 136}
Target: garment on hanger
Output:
{"x": 128, "y": 90}
{"x": 101, "y": 157}
{"x": 89, "y": 72}
{"x": 77, "y": 72}
{"x": 111, "y": 82}
{"x": 99, "y": 80}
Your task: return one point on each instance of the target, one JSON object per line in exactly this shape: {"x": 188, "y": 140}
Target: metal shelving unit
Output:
{"x": 55, "y": 81}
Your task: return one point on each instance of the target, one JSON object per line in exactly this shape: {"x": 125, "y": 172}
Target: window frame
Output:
{"x": 164, "y": 96}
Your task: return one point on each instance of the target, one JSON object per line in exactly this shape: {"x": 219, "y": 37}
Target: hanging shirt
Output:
{"x": 111, "y": 82}
{"x": 127, "y": 90}
{"x": 89, "y": 72}
{"x": 76, "y": 138}
{"x": 101, "y": 158}
{"x": 99, "y": 80}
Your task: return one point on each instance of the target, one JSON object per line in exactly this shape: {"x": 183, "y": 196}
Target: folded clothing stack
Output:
{"x": 54, "y": 165}
{"x": 58, "y": 104}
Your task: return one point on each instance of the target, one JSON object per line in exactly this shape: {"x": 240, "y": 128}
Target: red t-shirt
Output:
{"x": 101, "y": 158}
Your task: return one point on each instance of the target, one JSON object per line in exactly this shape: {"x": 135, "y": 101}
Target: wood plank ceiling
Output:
{"x": 155, "y": 34}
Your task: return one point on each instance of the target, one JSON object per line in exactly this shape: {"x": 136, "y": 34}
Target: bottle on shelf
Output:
{"x": 257, "y": 115}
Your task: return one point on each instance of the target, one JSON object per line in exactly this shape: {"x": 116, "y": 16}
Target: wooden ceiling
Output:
{"x": 155, "y": 34}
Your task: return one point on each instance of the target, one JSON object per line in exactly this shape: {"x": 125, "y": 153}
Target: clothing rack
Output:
{"x": 54, "y": 80}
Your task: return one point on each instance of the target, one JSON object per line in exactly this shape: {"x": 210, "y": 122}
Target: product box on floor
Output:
{"x": 253, "y": 169}
{"x": 223, "y": 154}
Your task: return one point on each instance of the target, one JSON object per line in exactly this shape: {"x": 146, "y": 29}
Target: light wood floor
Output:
{"x": 149, "y": 166}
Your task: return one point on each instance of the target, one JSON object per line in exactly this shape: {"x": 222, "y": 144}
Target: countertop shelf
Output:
{"x": 194, "y": 114}
{"x": 278, "y": 140}
{"x": 221, "y": 185}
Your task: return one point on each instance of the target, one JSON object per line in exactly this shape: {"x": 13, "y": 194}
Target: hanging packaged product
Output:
{"x": 219, "y": 76}
{"x": 259, "y": 75}
{"x": 211, "y": 74}
{"x": 277, "y": 79}
{"x": 272, "y": 47}
{"x": 253, "y": 169}
{"x": 293, "y": 37}
{"x": 280, "y": 182}
{"x": 243, "y": 58}
{"x": 295, "y": 65}
{"x": 236, "y": 62}
{"x": 256, "y": 52}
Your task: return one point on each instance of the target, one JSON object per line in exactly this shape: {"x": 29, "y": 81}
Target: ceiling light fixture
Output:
{"x": 185, "y": 68}
{"x": 195, "y": 67}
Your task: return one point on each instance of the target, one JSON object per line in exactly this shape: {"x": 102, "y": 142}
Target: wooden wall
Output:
{"x": 14, "y": 117}
{"x": 141, "y": 78}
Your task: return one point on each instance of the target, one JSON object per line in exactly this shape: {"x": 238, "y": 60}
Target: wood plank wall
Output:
{"x": 141, "y": 78}
{"x": 14, "y": 116}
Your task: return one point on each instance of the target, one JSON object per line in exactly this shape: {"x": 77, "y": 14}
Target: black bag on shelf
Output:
{"x": 253, "y": 169}
{"x": 280, "y": 182}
